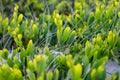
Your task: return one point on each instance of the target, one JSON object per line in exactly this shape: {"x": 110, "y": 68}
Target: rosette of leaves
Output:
{"x": 38, "y": 65}
{"x": 4, "y": 54}
{"x": 75, "y": 72}
{"x": 65, "y": 35}
{"x": 112, "y": 39}
{"x": 16, "y": 73}
{"x": 97, "y": 71}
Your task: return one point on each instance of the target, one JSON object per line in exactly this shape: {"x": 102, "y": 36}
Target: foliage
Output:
{"x": 58, "y": 39}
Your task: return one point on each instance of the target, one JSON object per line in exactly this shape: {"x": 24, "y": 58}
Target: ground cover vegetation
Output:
{"x": 58, "y": 39}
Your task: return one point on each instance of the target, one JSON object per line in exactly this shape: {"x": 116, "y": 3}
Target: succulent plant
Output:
{"x": 58, "y": 39}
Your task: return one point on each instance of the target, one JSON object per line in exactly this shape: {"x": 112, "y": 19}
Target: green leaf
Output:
{"x": 115, "y": 76}
{"x": 98, "y": 15}
{"x": 4, "y": 54}
{"x": 36, "y": 63}
{"x": 56, "y": 74}
{"x": 35, "y": 30}
{"x": 100, "y": 62}
{"x": 31, "y": 66}
{"x": 101, "y": 73}
{"x": 49, "y": 75}
{"x": 62, "y": 60}
{"x": 10, "y": 62}
{"x": 20, "y": 18}
{"x": 71, "y": 37}
{"x": 77, "y": 71}
{"x": 60, "y": 23}
{"x": 93, "y": 74}
{"x": 30, "y": 48}
{"x": 85, "y": 60}
{"x": 66, "y": 34}
{"x": 31, "y": 75}
{"x": 59, "y": 35}
{"x": 5, "y": 24}
{"x": 91, "y": 18}
{"x": 22, "y": 55}
{"x": 119, "y": 14}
